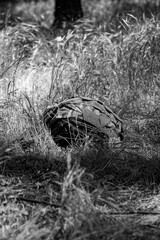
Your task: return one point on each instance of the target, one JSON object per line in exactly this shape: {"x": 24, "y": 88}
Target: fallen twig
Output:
{"x": 134, "y": 213}
{"x": 57, "y": 205}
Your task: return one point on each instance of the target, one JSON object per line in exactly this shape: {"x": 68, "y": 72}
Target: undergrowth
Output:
{"x": 87, "y": 192}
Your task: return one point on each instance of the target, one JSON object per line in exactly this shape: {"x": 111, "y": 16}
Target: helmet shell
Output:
{"x": 74, "y": 119}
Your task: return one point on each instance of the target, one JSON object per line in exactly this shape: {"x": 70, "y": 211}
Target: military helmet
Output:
{"x": 74, "y": 119}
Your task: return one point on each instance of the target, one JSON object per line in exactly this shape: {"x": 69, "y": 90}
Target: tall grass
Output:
{"x": 121, "y": 69}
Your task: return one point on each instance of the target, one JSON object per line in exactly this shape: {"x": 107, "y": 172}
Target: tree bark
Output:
{"x": 67, "y": 12}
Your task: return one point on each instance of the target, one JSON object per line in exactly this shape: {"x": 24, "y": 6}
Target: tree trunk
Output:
{"x": 67, "y": 12}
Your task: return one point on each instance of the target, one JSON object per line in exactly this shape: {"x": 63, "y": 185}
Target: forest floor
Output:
{"x": 40, "y": 200}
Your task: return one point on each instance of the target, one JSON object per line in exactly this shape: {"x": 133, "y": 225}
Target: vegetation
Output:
{"x": 87, "y": 192}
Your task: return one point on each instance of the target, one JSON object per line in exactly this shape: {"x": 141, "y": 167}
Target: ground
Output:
{"x": 118, "y": 213}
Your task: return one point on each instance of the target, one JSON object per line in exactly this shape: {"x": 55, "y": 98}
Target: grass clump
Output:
{"x": 139, "y": 64}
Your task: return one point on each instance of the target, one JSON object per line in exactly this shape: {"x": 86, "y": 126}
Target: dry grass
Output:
{"x": 79, "y": 193}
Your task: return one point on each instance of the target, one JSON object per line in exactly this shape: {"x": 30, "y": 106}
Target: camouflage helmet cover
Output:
{"x": 91, "y": 111}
